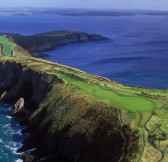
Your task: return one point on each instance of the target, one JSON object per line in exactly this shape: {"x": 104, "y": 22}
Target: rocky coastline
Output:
{"x": 65, "y": 125}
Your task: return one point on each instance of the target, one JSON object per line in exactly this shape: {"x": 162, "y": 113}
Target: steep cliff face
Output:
{"x": 20, "y": 82}
{"x": 66, "y": 124}
{"x": 47, "y": 41}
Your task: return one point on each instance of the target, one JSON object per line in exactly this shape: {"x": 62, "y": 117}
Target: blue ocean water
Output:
{"x": 10, "y": 135}
{"x": 136, "y": 53}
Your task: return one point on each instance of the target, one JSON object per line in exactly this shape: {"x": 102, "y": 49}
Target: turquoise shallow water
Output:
{"x": 10, "y": 135}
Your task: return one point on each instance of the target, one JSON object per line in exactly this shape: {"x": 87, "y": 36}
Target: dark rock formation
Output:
{"x": 65, "y": 125}
{"x": 50, "y": 40}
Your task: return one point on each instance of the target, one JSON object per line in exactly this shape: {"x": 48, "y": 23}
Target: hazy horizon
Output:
{"x": 89, "y": 4}
{"x": 80, "y": 8}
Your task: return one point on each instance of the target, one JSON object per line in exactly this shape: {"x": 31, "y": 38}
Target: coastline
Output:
{"x": 47, "y": 41}
{"x": 72, "y": 109}
{"x": 98, "y": 113}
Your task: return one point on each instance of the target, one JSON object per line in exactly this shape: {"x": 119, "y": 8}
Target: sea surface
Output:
{"x": 10, "y": 135}
{"x": 135, "y": 54}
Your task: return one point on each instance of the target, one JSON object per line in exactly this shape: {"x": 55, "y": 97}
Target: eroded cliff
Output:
{"x": 66, "y": 123}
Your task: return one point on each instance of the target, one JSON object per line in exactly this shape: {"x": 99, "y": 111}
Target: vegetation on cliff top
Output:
{"x": 145, "y": 110}
{"x": 66, "y": 118}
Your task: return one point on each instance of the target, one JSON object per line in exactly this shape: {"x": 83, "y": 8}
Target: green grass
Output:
{"x": 156, "y": 92}
{"x": 126, "y": 99}
{"x": 8, "y": 46}
{"x": 135, "y": 105}
{"x": 17, "y": 53}
{"x": 114, "y": 98}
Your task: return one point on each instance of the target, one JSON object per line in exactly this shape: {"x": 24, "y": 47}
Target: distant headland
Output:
{"x": 49, "y": 40}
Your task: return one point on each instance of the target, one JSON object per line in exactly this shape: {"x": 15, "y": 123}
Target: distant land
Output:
{"x": 49, "y": 40}
{"x": 77, "y": 12}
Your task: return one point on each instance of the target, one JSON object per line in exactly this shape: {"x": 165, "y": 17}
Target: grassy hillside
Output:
{"x": 8, "y": 48}
{"x": 145, "y": 110}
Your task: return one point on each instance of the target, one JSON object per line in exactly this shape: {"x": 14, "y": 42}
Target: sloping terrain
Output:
{"x": 8, "y": 48}
{"x": 76, "y": 116}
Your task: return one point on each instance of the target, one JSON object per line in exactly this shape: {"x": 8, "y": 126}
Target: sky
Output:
{"x": 104, "y": 4}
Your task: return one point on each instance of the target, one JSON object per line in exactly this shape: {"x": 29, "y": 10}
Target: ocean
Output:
{"x": 135, "y": 54}
{"x": 10, "y": 135}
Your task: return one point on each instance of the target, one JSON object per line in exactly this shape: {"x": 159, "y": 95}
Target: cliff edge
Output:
{"x": 66, "y": 123}
{"x": 78, "y": 117}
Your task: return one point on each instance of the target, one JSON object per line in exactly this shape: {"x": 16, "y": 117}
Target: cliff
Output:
{"x": 78, "y": 117}
{"x": 67, "y": 124}
{"x": 49, "y": 40}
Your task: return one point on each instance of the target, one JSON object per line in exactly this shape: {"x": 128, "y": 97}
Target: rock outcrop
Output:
{"x": 18, "y": 107}
{"x": 65, "y": 124}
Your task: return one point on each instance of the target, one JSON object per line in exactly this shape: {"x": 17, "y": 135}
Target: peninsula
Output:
{"x": 47, "y": 41}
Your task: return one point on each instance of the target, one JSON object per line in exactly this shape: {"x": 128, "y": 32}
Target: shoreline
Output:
{"x": 70, "y": 108}
{"x": 37, "y": 122}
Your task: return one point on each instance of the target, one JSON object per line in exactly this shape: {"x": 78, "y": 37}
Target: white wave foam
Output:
{"x": 15, "y": 152}
{"x": 14, "y": 144}
{"x": 19, "y": 144}
{"x": 9, "y": 117}
{"x": 19, "y": 160}
{"x": 6, "y": 125}
{"x": 19, "y": 132}
{"x": 10, "y": 108}
{"x": 13, "y": 149}
{"x": 1, "y": 141}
